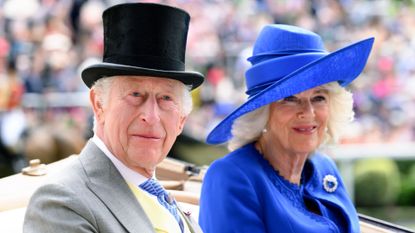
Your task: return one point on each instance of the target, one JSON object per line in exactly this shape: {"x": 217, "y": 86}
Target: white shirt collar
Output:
{"x": 128, "y": 174}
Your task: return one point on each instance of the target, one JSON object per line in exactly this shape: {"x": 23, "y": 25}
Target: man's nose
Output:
{"x": 150, "y": 111}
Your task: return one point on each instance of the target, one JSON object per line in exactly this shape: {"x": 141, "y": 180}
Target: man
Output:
{"x": 140, "y": 98}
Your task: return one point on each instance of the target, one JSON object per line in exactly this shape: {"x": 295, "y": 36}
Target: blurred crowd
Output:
{"x": 44, "y": 44}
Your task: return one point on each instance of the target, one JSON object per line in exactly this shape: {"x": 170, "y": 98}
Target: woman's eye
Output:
{"x": 319, "y": 98}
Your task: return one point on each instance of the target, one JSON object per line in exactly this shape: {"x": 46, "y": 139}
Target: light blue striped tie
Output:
{"x": 153, "y": 187}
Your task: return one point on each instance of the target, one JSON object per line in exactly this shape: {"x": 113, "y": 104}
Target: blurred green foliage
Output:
{"x": 405, "y": 165}
{"x": 407, "y": 192}
{"x": 377, "y": 182}
{"x": 196, "y": 152}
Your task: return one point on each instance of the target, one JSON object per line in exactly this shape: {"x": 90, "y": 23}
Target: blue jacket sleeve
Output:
{"x": 229, "y": 202}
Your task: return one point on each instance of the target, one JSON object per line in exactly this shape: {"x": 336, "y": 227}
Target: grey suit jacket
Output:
{"x": 88, "y": 195}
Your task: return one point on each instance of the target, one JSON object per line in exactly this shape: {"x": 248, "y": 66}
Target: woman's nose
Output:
{"x": 306, "y": 110}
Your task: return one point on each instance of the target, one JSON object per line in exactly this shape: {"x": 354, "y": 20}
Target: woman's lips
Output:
{"x": 309, "y": 129}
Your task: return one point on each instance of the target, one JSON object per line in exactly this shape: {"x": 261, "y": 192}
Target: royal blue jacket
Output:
{"x": 241, "y": 192}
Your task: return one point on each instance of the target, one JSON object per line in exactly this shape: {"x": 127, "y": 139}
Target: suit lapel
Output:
{"x": 110, "y": 187}
{"x": 191, "y": 223}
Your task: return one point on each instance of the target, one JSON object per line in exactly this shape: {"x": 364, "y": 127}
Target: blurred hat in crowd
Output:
{"x": 288, "y": 60}
{"x": 144, "y": 39}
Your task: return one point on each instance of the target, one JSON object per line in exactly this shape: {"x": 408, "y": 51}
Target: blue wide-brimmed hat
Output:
{"x": 288, "y": 60}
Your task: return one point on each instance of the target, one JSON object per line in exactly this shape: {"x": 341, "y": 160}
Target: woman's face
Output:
{"x": 297, "y": 124}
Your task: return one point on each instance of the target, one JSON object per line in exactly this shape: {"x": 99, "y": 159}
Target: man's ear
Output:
{"x": 96, "y": 105}
{"x": 181, "y": 124}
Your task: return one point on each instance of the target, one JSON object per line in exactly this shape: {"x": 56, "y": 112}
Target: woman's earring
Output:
{"x": 264, "y": 130}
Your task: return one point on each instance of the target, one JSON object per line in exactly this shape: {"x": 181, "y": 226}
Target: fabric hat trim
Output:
{"x": 266, "y": 70}
{"x": 258, "y": 57}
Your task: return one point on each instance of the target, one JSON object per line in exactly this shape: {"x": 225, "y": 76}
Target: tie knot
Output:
{"x": 153, "y": 187}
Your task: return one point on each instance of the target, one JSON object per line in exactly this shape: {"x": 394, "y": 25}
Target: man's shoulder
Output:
{"x": 66, "y": 172}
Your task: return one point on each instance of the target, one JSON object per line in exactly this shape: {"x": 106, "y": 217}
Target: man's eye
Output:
{"x": 166, "y": 97}
{"x": 136, "y": 94}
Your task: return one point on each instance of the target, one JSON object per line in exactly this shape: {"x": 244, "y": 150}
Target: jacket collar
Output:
{"x": 109, "y": 186}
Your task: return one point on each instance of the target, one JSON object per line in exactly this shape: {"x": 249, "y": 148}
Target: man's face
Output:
{"x": 140, "y": 120}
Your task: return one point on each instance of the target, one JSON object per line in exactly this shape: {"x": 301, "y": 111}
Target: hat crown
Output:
{"x": 146, "y": 35}
{"x": 282, "y": 40}
{"x": 144, "y": 39}
{"x": 278, "y": 51}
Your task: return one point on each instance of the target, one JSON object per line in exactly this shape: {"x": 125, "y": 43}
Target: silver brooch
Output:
{"x": 330, "y": 183}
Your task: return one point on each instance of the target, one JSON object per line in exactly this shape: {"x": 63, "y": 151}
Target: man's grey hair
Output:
{"x": 102, "y": 89}
{"x": 248, "y": 128}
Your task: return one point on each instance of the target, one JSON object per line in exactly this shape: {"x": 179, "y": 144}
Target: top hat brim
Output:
{"x": 94, "y": 72}
{"x": 343, "y": 66}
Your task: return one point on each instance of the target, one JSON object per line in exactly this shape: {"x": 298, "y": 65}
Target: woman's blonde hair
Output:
{"x": 248, "y": 128}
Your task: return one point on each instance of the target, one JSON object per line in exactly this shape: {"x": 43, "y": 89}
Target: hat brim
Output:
{"x": 94, "y": 72}
{"x": 343, "y": 65}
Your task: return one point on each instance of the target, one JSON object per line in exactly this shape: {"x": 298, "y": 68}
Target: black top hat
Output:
{"x": 144, "y": 39}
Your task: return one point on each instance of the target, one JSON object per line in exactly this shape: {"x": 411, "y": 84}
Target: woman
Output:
{"x": 275, "y": 180}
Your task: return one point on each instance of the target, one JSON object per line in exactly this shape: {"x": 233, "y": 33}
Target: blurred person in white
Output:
{"x": 275, "y": 179}
{"x": 140, "y": 96}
